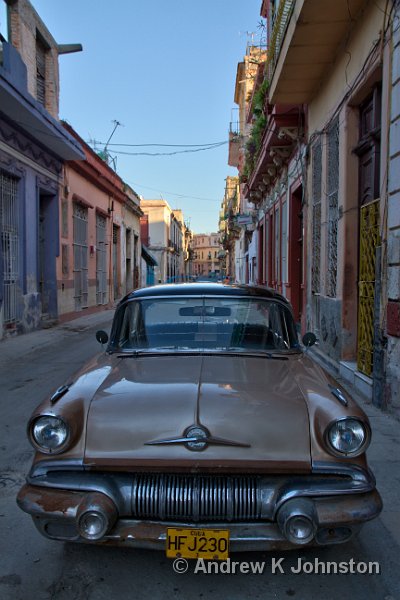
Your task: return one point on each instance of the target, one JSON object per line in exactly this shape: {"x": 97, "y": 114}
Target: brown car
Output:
{"x": 204, "y": 427}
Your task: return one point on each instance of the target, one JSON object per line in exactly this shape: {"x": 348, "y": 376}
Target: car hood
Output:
{"x": 140, "y": 414}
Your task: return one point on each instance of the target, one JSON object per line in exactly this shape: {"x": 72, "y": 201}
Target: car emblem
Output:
{"x": 196, "y": 438}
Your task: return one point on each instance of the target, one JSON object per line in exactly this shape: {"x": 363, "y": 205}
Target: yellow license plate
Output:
{"x": 211, "y": 544}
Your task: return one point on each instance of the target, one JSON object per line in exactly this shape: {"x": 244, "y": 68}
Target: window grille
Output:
{"x": 277, "y": 248}
{"x": 369, "y": 240}
{"x": 284, "y": 245}
{"x": 316, "y": 217}
{"x": 333, "y": 209}
{"x": 101, "y": 260}
{"x": 9, "y": 231}
{"x": 80, "y": 221}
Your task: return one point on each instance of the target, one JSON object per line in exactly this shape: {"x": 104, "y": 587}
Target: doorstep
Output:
{"x": 362, "y": 383}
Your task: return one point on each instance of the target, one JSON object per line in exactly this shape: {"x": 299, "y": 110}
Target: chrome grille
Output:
{"x": 196, "y": 497}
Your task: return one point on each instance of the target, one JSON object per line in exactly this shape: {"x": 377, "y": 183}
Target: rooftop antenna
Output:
{"x": 250, "y": 35}
{"x": 116, "y": 124}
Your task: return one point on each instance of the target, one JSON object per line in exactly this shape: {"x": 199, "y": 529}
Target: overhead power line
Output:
{"x": 166, "y": 193}
{"x": 161, "y": 145}
{"x": 168, "y": 153}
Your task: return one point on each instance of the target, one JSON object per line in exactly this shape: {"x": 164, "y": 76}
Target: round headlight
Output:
{"x": 348, "y": 437}
{"x": 49, "y": 434}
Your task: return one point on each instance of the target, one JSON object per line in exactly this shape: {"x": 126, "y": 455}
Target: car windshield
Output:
{"x": 185, "y": 323}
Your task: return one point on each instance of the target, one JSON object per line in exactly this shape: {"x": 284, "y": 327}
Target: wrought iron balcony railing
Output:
{"x": 276, "y": 33}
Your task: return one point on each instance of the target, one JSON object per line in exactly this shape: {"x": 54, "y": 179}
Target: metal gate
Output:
{"x": 80, "y": 221}
{"x": 101, "y": 259}
{"x": 369, "y": 240}
{"x": 10, "y": 246}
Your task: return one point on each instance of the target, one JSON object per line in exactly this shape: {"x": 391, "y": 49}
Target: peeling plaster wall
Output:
{"x": 392, "y": 391}
{"x": 31, "y": 312}
{"x": 330, "y": 337}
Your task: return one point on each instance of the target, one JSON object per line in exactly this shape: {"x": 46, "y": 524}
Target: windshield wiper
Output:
{"x": 147, "y": 352}
{"x": 132, "y": 354}
{"x": 258, "y": 353}
{"x": 167, "y": 350}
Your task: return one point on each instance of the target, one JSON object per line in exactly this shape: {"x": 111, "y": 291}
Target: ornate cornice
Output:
{"x": 21, "y": 143}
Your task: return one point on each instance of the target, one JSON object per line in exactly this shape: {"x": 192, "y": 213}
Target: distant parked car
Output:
{"x": 181, "y": 279}
{"x": 204, "y": 428}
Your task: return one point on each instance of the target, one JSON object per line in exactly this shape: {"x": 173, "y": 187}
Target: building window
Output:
{"x": 277, "y": 248}
{"x": 261, "y": 255}
{"x": 333, "y": 209}
{"x": 316, "y": 155}
{"x": 80, "y": 247}
{"x": 101, "y": 259}
{"x": 41, "y": 53}
{"x": 9, "y": 239}
{"x": 368, "y": 148}
{"x": 284, "y": 245}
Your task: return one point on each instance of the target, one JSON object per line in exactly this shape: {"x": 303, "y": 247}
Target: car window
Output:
{"x": 206, "y": 323}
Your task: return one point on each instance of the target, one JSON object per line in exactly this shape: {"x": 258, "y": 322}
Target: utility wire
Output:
{"x": 167, "y": 153}
{"x": 165, "y": 192}
{"x": 161, "y": 145}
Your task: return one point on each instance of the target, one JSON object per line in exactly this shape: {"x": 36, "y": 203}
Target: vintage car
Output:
{"x": 203, "y": 427}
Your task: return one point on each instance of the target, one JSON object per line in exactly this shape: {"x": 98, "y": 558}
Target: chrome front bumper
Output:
{"x": 54, "y": 513}
{"x": 141, "y": 507}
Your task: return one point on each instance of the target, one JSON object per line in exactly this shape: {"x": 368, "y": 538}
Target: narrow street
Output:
{"x": 33, "y": 567}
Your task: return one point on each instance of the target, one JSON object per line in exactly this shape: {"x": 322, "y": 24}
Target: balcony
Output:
{"x": 303, "y": 43}
{"x": 284, "y": 127}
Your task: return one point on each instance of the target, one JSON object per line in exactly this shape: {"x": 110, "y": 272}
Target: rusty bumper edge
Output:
{"x": 51, "y": 508}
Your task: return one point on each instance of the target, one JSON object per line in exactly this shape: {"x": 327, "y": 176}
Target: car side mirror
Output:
{"x": 101, "y": 337}
{"x": 309, "y": 339}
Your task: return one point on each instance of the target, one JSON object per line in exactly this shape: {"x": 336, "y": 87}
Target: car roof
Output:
{"x": 205, "y": 288}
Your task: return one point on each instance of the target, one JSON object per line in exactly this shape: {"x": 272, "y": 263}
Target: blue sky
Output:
{"x": 166, "y": 71}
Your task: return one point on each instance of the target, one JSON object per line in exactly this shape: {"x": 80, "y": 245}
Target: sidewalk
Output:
{"x": 22, "y": 345}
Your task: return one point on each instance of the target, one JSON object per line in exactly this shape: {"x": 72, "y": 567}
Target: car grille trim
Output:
{"x": 196, "y": 497}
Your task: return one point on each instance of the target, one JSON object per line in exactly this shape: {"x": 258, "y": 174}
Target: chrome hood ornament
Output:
{"x": 196, "y": 438}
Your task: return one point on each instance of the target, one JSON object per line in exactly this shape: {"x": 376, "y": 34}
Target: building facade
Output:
{"x": 249, "y": 77}
{"x": 186, "y": 257}
{"x": 323, "y": 176}
{"x": 163, "y": 233}
{"x": 206, "y": 255}
{"x": 100, "y": 253}
{"x": 33, "y": 148}
{"x": 229, "y": 230}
